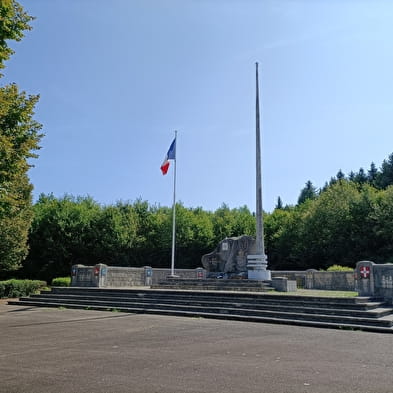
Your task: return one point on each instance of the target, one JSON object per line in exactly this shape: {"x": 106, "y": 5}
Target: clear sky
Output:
{"x": 117, "y": 78}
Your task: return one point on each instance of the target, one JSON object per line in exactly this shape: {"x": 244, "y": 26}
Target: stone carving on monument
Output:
{"x": 229, "y": 259}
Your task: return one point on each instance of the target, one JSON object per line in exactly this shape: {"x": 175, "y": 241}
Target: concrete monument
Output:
{"x": 230, "y": 257}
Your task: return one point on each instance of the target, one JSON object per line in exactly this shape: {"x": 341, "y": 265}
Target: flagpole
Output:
{"x": 257, "y": 264}
{"x": 174, "y": 215}
{"x": 260, "y": 245}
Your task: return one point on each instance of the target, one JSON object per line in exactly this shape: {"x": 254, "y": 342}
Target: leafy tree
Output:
{"x": 281, "y": 237}
{"x": 382, "y": 228}
{"x": 19, "y": 137}
{"x": 223, "y": 223}
{"x": 62, "y": 235}
{"x": 13, "y": 22}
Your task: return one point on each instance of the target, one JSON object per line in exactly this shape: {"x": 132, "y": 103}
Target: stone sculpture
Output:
{"x": 230, "y": 257}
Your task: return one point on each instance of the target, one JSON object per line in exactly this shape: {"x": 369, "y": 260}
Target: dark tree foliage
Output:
{"x": 308, "y": 192}
{"x": 69, "y": 230}
{"x": 360, "y": 177}
{"x": 385, "y": 176}
{"x": 372, "y": 174}
{"x": 279, "y": 204}
{"x": 340, "y": 175}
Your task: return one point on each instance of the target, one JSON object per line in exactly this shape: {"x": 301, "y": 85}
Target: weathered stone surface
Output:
{"x": 104, "y": 276}
{"x": 375, "y": 280}
{"x": 230, "y": 256}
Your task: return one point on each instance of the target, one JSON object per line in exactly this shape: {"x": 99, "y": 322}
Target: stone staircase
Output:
{"x": 360, "y": 313}
{"x": 212, "y": 284}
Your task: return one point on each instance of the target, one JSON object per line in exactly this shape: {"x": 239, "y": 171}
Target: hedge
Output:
{"x": 18, "y": 288}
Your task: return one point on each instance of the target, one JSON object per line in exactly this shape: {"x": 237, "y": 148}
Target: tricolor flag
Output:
{"x": 171, "y": 155}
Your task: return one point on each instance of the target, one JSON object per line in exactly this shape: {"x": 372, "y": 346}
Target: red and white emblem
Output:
{"x": 364, "y": 271}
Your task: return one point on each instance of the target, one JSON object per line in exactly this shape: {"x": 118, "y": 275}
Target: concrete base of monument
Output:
{"x": 260, "y": 275}
{"x": 257, "y": 268}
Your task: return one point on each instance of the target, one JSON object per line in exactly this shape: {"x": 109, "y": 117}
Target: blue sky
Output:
{"x": 117, "y": 78}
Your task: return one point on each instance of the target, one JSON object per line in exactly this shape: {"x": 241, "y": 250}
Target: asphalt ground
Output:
{"x": 62, "y": 350}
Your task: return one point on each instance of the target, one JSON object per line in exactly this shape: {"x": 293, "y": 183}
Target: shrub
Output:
{"x": 339, "y": 268}
{"x": 18, "y": 288}
{"x": 61, "y": 282}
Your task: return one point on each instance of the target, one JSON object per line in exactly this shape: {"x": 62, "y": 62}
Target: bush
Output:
{"x": 18, "y": 288}
{"x": 61, "y": 282}
{"x": 339, "y": 268}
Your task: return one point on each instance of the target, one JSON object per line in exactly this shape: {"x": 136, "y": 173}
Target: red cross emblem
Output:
{"x": 365, "y": 271}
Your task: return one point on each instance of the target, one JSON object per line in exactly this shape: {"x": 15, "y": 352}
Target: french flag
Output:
{"x": 171, "y": 155}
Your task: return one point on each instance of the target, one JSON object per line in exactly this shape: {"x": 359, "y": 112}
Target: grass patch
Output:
{"x": 318, "y": 293}
{"x": 61, "y": 282}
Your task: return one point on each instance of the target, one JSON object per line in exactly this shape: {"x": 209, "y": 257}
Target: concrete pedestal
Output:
{"x": 257, "y": 268}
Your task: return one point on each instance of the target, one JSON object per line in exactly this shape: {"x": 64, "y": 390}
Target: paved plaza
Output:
{"x": 46, "y": 350}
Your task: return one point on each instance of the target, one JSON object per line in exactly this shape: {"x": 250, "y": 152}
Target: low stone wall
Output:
{"x": 314, "y": 279}
{"x": 124, "y": 277}
{"x": 104, "y": 276}
{"x": 334, "y": 281}
{"x": 375, "y": 280}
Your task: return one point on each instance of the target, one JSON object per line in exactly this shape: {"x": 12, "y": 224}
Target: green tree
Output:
{"x": 281, "y": 236}
{"x": 382, "y": 228}
{"x": 279, "y": 204}
{"x": 385, "y": 176}
{"x": 360, "y": 177}
{"x": 308, "y": 192}
{"x": 63, "y": 233}
{"x": 13, "y": 22}
{"x": 19, "y": 137}
{"x": 223, "y": 223}
{"x": 335, "y": 228}
{"x": 340, "y": 175}
{"x": 372, "y": 175}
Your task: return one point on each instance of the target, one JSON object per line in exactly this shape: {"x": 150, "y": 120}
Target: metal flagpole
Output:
{"x": 174, "y": 214}
{"x": 256, "y": 264}
{"x": 260, "y": 246}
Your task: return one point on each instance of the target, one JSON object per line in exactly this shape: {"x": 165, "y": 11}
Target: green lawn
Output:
{"x": 318, "y": 293}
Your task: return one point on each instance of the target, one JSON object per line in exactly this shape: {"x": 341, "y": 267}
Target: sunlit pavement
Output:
{"x": 59, "y": 350}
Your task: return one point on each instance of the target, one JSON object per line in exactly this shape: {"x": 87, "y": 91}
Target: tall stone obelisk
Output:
{"x": 257, "y": 264}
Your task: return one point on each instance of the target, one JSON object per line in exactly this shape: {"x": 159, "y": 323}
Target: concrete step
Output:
{"x": 337, "y": 311}
{"x": 361, "y": 303}
{"x": 215, "y": 284}
{"x": 316, "y": 315}
{"x": 374, "y": 312}
{"x": 282, "y": 318}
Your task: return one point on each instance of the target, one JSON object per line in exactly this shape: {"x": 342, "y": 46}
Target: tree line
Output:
{"x": 77, "y": 230}
{"x": 343, "y": 224}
